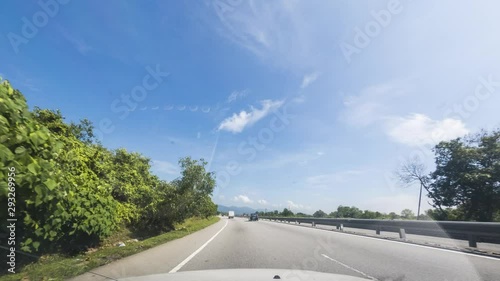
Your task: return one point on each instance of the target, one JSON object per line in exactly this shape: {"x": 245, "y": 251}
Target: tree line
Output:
{"x": 348, "y": 212}
{"x": 71, "y": 192}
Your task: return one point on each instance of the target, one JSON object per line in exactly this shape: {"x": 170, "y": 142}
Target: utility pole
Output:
{"x": 419, "y": 201}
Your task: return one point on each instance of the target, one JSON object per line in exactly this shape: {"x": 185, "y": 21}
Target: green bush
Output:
{"x": 71, "y": 192}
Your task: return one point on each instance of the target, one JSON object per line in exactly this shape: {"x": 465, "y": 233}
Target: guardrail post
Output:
{"x": 472, "y": 241}
{"x": 313, "y": 224}
{"x": 378, "y": 231}
{"x": 340, "y": 227}
{"x": 402, "y": 233}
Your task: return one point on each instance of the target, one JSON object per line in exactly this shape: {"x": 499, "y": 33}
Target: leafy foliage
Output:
{"x": 407, "y": 214}
{"x": 286, "y": 213}
{"x": 319, "y": 214}
{"x": 467, "y": 176}
{"x": 71, "y": 192}
{"x": 347, "y": 212}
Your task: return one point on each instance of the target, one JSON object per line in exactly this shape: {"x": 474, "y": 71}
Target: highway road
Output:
{"x": 238, "y": 243}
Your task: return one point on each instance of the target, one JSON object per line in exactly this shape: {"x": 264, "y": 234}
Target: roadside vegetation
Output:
{"x": 72, "y": 193}
{"x": 349, "y": 212}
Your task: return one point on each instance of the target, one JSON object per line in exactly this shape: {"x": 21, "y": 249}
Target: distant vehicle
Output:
{"x": 254, "y": 217}
{"x": 231, "y": 214}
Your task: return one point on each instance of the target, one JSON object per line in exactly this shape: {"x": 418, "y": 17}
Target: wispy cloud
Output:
{"x": 78, "y": 42}
{"x": 238, "y": 122}
{"x": 242, "y": 198}
{"x": 308, "y": 79}
{"x": 164, "y": 167}
{"x": 275, "y": 31}
{"x": 23, "y": 80}
{"x": 419, "y": 129}
{"x": 370, "y": 105}
{"x": 237, "y": 95}
{"x": 280, "y": 160}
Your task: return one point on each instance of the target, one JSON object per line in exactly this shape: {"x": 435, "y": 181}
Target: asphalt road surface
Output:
{"x": 238, "y": 243}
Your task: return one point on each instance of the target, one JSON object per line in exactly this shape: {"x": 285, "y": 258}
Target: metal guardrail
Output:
{"x": 474, "y": 232}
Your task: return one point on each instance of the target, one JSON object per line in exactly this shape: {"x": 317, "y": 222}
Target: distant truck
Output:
{"x": 231, "y": 215}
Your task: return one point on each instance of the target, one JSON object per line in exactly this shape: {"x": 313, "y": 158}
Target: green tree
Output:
{"x": 370, "y": 215}
{"x": 393, "y": 216}
{"x": 467, "y": 175}
{"x": 407, "y": 214}
{"x": 286, "y": 213}
{"x": 319, "y": 214}
{"x": 195, "y": 186}
{"x": 447, "y": 214}
{"x": 348, "y": 212}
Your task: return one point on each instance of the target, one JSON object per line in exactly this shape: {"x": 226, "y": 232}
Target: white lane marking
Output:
{"x": 180, "y": 265}
{"x": 406, "y": 243}
{"x": 351, "y": 268}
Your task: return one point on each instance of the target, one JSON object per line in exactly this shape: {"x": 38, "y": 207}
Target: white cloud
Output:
{"x": 376, "y": 105}
{"x": 236, "y": 95}
{"x": 419, "y": 129}
{"x": 262, "y": 202}
{"x": 164, "y": 167}
{"x": 242, "y": 198}
{"x": 296, "y": 206}
{"x": 238, "y": 122}
{"x": 308, "y": 79}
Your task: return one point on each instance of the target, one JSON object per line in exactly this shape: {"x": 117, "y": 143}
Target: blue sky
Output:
{"x": 301, "y": 104}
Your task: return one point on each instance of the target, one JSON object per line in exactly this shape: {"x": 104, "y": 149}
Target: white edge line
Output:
{"x": 406, "y": 243}
{"x": 351, "y": 268}
{"x": 180, "y": 265}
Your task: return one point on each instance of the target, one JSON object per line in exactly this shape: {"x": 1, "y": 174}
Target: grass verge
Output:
{"x": 60, "y": 267}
